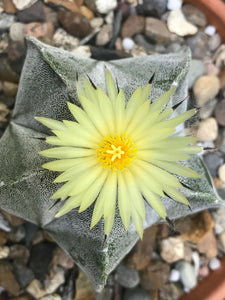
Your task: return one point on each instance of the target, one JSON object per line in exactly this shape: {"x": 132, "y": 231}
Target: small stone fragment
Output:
{"x": 10, "y": 88}
{"x": 213, "y": 161}
{"x": 104, "y": 7}
{"x": 34, "y": 13}
{"x": 156, "y": 30}
{"x": 199, "y": 45}
{"x": 96, "y": 23}
{"x": 208, "y": 245}
{"x": 207, "y": 110}
{"x": 22, "y": 4}
{"x": 210, "y": 30}
{"x": 174, "y": 275}
{"x": 222, "y": 78}
{"x": 178, "y": 24}
{"x": 7, "y": 279}
{"x": 4, "y": 252}
{"x": 84, "y": 289}
{"x": 6, "y": 21}
{"x": 9, "y": 7}
{"x": 218, "y": 217}
{"x": 73, "y": 6}
{"x": 4, "y": 224}
{"x": 208, "y": 130}
{"x": 197, "y": 69}
{"x": 56, "y": 279}
{"x": 35, "y": 289}
{"x": 3, "y": 238}
{"x": 136, "y": 294}
{"x": 141, "y": 254}
{"x": 39, "y": 30}
{"x": 64, "y": 40}
{"x": 128, "y": 44}
{"x": 221, "y": 172}
{"x": 220, "y": 112}
{"x": 104, "y": 35}
{"x": 174, "y": 4}
{"x": 194, "y": 15}
{"x": 4, "y": 111}
{"x": 214, "y": 263}
{"x": 133, "y": 25}
{"x": 74, "y": 23}
{"x": 126, "y": 277}
{"x": 206, "y": 88}
{"x": 203, "y": 271}
{"x": 84, "y": 51}
{"x": 23, "y": 275}
{"x": 155, "y": 275}
{"x": 170, "y": 291}
{"x": 214, "y": 42}
{"x": 187, "y": 275}
{"x": 19, "y": 253}
{"x": 17, "y": 32}
{"x": 17, "y": 234}
{"x": 86, "y": 12}
{"x": 51, "y": 297}
{"x": 61, "y": 258}
{"x": 172, "y": 249}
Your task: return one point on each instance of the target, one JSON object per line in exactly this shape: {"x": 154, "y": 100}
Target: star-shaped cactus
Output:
{"x": 48, "y": 82}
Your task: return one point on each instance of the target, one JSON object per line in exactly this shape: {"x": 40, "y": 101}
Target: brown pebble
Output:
{"x": 9, "y": 7}
{"x": 74, "y": 23}
{"x": 156, "y": 30}
{"x": 220, "y": 112}
{"x": 222, "y": 78}
{"x": 7, "y": 279}
{"x": 208, "y": 245}
{"x": 132, "y": 26}
{"x": 39, "y": 30}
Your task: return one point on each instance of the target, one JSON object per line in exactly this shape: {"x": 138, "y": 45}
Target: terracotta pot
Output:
{"x": 211, "y": 287}
{"x": 214, "y": 11}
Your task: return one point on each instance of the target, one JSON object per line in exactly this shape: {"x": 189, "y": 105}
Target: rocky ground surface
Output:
{"x": 164, "y": 265}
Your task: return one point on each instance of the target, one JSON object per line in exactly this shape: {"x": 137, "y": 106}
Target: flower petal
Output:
{"x": 70, "y": 204}
{"x": 67, "y": 152}
{"x": 50, "y": 123}
{"x": 124, "y": 201}
{"x": 111, "y": 87}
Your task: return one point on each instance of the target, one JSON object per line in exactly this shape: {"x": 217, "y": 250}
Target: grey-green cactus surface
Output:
{"x": 47, "y": 82}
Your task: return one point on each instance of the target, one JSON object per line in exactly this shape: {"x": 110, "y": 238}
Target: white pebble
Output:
{"x": 104, "y": 7}
{"x": 214, "y": 263}
{"x": 128, "y": 44}
{"x": 221, "y": 172}
{"x": 210, "y": 30}
{"x": 174, "y": 275}
{"x": 174, "y": 4}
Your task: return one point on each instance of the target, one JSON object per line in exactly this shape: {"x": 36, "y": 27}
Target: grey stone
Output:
{"x": 213, "y": 160}
{"x": 126, "y": 277}
{"x": 198, "y": 44}
{"x": 187, "y": 274}
{"x": 23, "y": 275}
{"x": 34, "y": 13}
{"x": 6, "y": 21}
{"x": 207, "y": 110}
{"x": 154, "y": 8}
{"x": 219, "y": 220}
{"x": 136, "y": 294}
{"x": 214, "y": 42}
{"x": 194, "y": 15}
{"x": 174, "y": 47}
{"x": 197, "y": 69}
{"x": 16, "y": 32}
{"x": 17, "y": 234}
{"x": 106, "y": 294}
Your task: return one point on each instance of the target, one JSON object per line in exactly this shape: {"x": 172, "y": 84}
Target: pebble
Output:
{"x": 210, "y": 30}
{"x": 208, "y": 245}
{"x": 17, "y": 234}
{"x": 203, "y": 271}
{"x": 133, "y": 25}
{"x": 35, "y": 289}
{"x": 4, "y": 252}
{"x": 104, "y": 35}
{"x": 6, "y": 21}
{"x": 109, "y": 18}
{"x": 222, "y": 78}
{"x": 104, "y": 7}
{"x": 56, "y": 279}
{"x": 9, "y": 88}
{"x": 8, "y": 7}
{"x": 194, "y": 15}
{"x": 220, "y": 112}
{"x": 213, "y": 161}
{"x": 174, "y": 4}
{"x": 22, "y": 4}
{"x": 96, "y": 22}
{"x": 141, "y": 254}
{"x": 153, "y": 8}
{"x": 155, "y": 275}
{"x": 221, "y": 173}
{"x": 39, "y": 30}
{"x": 187, "y": 274}
{"x": 196, "y": 261}
{"x": 86, "y": 12}
{"x": 156, "y": 30}
{"x": 23, "y": 275}
{"x": 7, "y": 279}
{"x": 198, "y": 44}
{"x": 128, "y": 44}
{"x": 218, "y": 217}
{"x": 17, "y": 32}
{"x": 206, "y": 88}
{"x": 207, "y": 110}
{"x": 34, "y": 13}
{"x": 126, "y": 277}
{"x": 210, "y": 68}
{"x": 174, "y": 275}
{"x": 221, "y": 238}
{"x": 51, "y": 297}
{"x": 172, "y": 249}
{"x": 170, "y": 291}
{"x": 197, "y": 69}
{"x": 207, "y": 130}
{"x": 74, "y": 23}
{"x": 84, "y": 51}
{"x": 3, "y": 238}
{"x": 214, "y": 42}
{"x": 4, "y": 43}
{"x": 178, "y": 24}
{"x": 84, "y": 289}
{"x": 136, "y": 294}
{"x": 64, "y": 40}
{"x": 214, "y": 263}
{"x": 61, "y": 258}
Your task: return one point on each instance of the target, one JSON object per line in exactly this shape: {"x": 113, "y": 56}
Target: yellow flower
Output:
{"x": 117, "y": 152}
